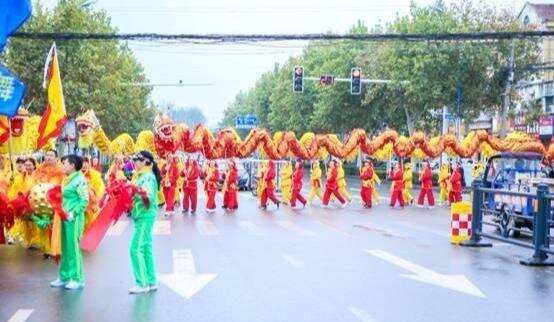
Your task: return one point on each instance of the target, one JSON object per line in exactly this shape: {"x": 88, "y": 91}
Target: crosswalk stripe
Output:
{"x": 250, "y": 228}
{"x": 118, "y": 228}
{"x": 290, "y": 226}
{"x": 293, "y": 260}
{"x": 21, "y": 315}
{"x": 361, "y": 314}
{"x": 206, "y": 228}
{"x": 162, "y": 227}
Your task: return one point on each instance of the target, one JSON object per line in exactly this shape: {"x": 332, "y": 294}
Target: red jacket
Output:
{"x": 426, "y": 178}
{"x": 231, "y": 180}
{"x": 366, "y": 175}
{"x": 269, "y": 177}
{"x": 191, "y": 176}
{"x": 456, "y": 181}
{"x": 297, "y": 178}
{"x": 398, "y": 179}
{"x": 332, "y": 180}
{"x": 212, "y": 179}
{"x": 170, "y": 174}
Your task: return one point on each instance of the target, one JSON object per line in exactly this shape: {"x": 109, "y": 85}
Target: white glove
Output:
{"x": 69, "y": 216}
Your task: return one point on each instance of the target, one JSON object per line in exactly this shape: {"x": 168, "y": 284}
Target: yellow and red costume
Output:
{"x": 444, "y": 175}
{"x": 211, "y": 181}
{"x": 96, "y": 193}
{"x": 455, "y": 194}
{"x": 269, "y": 190}
{"x": 397, "y": 176}
{"x": 332, "y": 187}
{"x": 286, "y": 182}
{"x": 315, "y": 182}
{"x": 366, "y": 175}
{"x": 408, "y": 183}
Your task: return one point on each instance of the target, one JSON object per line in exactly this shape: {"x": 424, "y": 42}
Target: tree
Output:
{"x": 431, "y": 71}
{"x": 94, "y": 73}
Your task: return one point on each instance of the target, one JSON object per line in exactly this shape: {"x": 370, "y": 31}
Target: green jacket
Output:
{"x": 75, "y": 194}
{"x": 146, "y": 180}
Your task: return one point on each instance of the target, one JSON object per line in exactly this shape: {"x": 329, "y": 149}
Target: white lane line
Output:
{"x": 118, "y": 228}
{"x": 21, "y": 315}
{"x": 293, "y": 260}
{"x": 290, "y": 226}
{"x": 361, "y": 314}
{"x": 206, "y": 228}
{"x": 183, "y": 262}
{"x": 250, "y": 228}
{"x": 162, "y": 227}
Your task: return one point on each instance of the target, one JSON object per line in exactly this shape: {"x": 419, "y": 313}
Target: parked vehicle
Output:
{"x": 515, "y": 172}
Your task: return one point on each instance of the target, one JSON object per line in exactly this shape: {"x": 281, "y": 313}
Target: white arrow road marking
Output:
{"x": 361, "y": 314}
{"x": 118, "y": 228}
{"x": 454, "y": 282}
{"x": 293, "y": 260}
{"x": 250, "y": 228}
{"x": 290, "y": 226}
{"x": 184, "y": 280}
{"x": 162, "y": 227}
{"x": 206, "y": 228}
{"x": 21, "y": 315}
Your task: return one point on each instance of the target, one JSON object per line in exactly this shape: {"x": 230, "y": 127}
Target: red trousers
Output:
{"x": 230, "y": 200}
{"x": 366, "y": 194}
{"x": 268, "y": 193}
{"x": 169, "y": 195}
{"x": 210, "y": 203}
{"x": 396, "y": 196}
{"x": 296, "y": 195}
{"x": 190, "y": 196}
{"x": 426, "y": 192}
{"x": 329, "y": 192}
{"x": 455, "y": 196}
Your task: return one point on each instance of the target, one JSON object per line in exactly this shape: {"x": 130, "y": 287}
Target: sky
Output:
{"x": 230, "y": 68}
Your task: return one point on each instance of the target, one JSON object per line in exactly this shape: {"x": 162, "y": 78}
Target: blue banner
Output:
{"x": 13, "y": 13}
{"x": 12, "y": 91}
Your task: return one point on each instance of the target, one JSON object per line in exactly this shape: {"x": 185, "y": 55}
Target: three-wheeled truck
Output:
{"x": 515, "y": 172}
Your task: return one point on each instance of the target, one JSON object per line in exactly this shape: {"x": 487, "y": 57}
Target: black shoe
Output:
{"x": 278, "y": 205}
{"x": 45, "y": 256}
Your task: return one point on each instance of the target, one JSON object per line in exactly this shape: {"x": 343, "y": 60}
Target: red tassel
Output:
{"x": 54, "y": 197}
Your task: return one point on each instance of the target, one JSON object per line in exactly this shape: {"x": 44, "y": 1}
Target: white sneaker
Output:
{"x": 344, "y": 205}
{"x": 139, "y": 289}
{"x": 57, "y": 283}
{"x": 325, "y": 206}
{"x": 153, "y": 288}
{"x": 72, "y": 285}
{"x": 419, "y": 206}
{"x": 431, "y": 207}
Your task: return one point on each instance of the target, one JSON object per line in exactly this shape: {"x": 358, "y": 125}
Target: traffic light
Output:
{"x": 356, "y": 81}
{"x": 298, "y": 79}
{"x": 327, "y": 80}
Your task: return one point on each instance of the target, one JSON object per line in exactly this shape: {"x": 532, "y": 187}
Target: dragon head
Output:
{"x": 18, "y": 122}
{"x": 164, "y": 127}
{"x": 87, "y": 122}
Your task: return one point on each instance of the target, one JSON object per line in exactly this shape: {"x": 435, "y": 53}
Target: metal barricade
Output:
{"x": 541, "y": 219}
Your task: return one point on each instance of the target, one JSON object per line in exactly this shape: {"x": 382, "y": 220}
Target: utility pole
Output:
{"x": 506, "y": 95}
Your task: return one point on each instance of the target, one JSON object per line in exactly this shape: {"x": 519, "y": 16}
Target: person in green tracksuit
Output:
{"x": 147, "y": 179}
{"x": 75, "y": 197}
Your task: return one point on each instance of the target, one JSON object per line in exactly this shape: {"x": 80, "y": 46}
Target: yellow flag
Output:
{"x": 54, "y": 117}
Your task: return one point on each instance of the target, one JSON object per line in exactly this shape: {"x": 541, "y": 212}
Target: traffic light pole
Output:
{"x": 363, "y": 80}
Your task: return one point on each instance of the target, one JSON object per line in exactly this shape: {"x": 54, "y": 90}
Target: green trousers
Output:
{"x": 71, "y": 266}
{"x": 141, "y": 252}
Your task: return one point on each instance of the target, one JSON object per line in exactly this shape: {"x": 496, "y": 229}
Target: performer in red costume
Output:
{"x": 426, "y": 179}
{"x": 297, "y": 178}
{"x": 211, "y": 180}
{"x": 170, "y": 174}
{"x": 269, "y": 191}
{"x": 190, "y": 191}
{"x": 397, "y": 176}
{"x": 455, "y": 194}
{"x": 366, "y": 174}
{"x": 331, "y": 186}
{"x": 230, "y": 187}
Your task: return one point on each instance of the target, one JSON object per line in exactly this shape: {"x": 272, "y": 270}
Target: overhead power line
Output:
{"x": 236, "y": 38}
